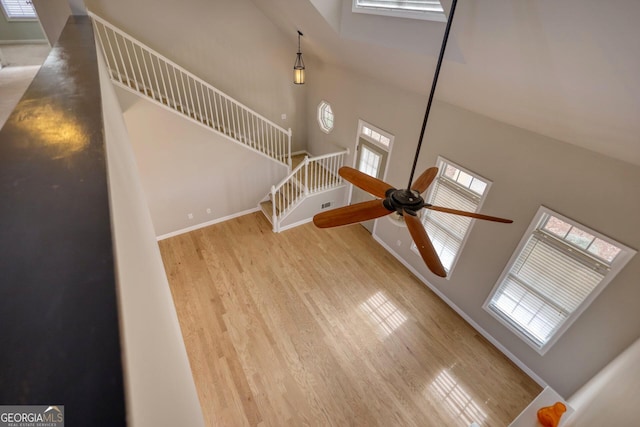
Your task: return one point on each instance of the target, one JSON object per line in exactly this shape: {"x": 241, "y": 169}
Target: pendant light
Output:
{"x": 298, "y": 67}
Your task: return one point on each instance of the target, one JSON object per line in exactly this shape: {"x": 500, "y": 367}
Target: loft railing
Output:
{"x": 139, "y": 68}
{"x": 312, "y": 175}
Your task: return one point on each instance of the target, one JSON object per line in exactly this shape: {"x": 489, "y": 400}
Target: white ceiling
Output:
{"x": 566, "y": 69}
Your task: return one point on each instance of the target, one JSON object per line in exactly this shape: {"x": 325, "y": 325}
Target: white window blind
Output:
{"x": 408, "y": 5}
{"x": 416, "y": 9}
{"x": 553, "y": 276}
{"x": 454, "y": 188}
{"x": 18, "y": 9}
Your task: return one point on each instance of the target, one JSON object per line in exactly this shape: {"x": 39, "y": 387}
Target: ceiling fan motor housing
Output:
{"x": 403, "y": 200}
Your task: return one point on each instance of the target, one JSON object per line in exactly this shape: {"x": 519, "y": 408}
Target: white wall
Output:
{"x": 611, "y": 397}
{"x": 228, "y": 43}
{"x": 527, "y": 170}
{"x": 77, "y": 7}
{"x": 12, "y": 32}
{"x": 186, "y": 168}
{"x": 159, "y": 386}
{"x": 53, "y": 15}
{"x": 313, "y": 205}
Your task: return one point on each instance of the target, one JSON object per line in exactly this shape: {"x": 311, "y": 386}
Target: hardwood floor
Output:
{"x": 324, "y": 327}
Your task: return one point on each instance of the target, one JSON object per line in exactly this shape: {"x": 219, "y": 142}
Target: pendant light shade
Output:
{"x": 298, "y": 67}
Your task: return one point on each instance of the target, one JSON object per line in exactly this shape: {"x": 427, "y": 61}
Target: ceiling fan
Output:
{"x": 404, "y": 202}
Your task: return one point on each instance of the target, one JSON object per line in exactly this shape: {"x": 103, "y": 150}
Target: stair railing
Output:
{"x": 312, "y": 175}
{"x": 139, "y": 68}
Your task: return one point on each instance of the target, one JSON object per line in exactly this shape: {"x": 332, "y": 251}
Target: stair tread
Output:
{"x": 267, "y": 208}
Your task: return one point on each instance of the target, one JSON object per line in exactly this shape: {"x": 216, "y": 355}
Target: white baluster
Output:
{"x": 178, "y": 91}
{"x": 306, "y": 175}
{"x": 212, "y": 114}
{"x": 146, "y": 70}
{"x": 289, "y": 149}
{"x": 135, "y": 55}
{"x": 130, "y": 63}
{"x": 155, "y": 76}
{"x": 216, "y": 97}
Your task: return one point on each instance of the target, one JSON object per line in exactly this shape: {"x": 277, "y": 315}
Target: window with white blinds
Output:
{"x": 558, "y": 269}
{"x": 420, "y": 9}
{"x": 457, "y": 188}
{"x": 18, "y": 9}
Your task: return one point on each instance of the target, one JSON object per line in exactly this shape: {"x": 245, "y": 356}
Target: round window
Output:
{"x": 325, "y": 116}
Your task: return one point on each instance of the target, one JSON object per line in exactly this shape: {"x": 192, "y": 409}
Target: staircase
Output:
{"x": 311, "y": 176}
{"x": 139, "y": 69}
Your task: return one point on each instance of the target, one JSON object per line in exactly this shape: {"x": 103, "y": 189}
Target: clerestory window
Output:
{"x": 417, "y": 9}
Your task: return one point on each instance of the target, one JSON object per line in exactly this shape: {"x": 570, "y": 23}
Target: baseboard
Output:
{"x": 296, "y": 224}
{"x": 464, "y": 315}
{"x": 206, "y": 224}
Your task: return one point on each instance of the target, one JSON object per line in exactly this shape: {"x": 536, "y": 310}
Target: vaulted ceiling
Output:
{"x": 569, "y": 70}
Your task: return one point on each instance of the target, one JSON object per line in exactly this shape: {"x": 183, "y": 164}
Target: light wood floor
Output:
{"x": 324, "y": 327}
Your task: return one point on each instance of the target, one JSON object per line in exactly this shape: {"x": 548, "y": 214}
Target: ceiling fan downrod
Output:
{"x": 433, "y": 88}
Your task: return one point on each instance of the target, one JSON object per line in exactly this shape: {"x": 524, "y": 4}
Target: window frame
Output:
{"x": 375, "y": 136}
{"x": 322, "y": 106}
{"x": 618, "y": 263}
{"x": 437, "y": 16}
{"x": 440, "y": 162}
{"x": 11, "y": 18}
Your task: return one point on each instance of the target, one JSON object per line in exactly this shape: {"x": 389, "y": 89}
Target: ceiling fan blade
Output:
{"x": 469, "y": 214}
{"x": 425, "y": 247}
{"x": 368, "y": 183}
{"x": 351, "y": 214}
{"x": 424, "y": 181}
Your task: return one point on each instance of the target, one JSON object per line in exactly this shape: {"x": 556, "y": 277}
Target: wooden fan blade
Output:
{"x": 424, "y": 181}
{"x": 469, "y": 214}
{"x": 351, "y": 214}
{"x": 425, "y": 247}
{"x": 368, "y": 183}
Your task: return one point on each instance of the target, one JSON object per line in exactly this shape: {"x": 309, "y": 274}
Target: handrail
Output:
{"x": 138, "y": 67}
{"x": 310, "y": 159}
{"x": 288, "y": 177}
{"x": 313, "y": 175}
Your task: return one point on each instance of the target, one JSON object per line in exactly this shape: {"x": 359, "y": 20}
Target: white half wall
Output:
{"x": 53, "y": 15}
{"x": 313, "y": 205}
{"x": 159, "y": 386}
{"x": 186, "y": 169}
{"x": 611, "y": 397}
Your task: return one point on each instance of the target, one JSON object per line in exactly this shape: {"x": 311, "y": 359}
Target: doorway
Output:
{"x": 373, "y": 147}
